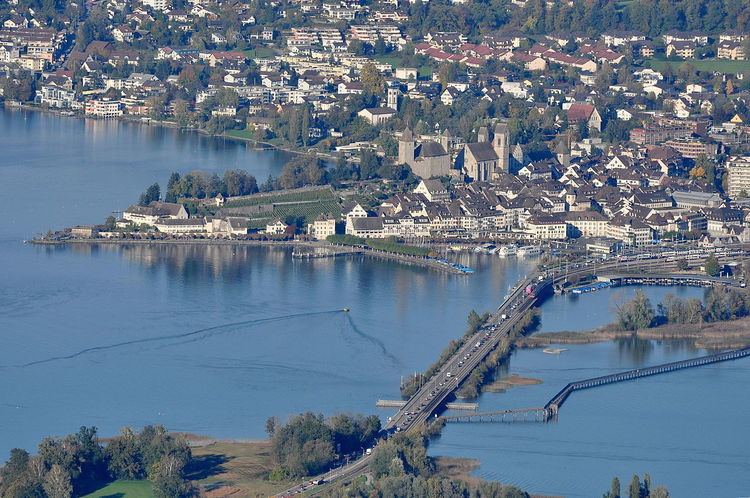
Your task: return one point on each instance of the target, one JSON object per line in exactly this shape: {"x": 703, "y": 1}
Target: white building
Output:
{"x": 738, "y": 168}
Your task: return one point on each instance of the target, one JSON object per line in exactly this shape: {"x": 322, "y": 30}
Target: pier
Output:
{"x": 553, "y": 406}
{"x": 551, "y": 409}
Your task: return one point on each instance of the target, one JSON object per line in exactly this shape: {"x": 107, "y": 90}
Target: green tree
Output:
{"x": 712, "y": 266}
{"x": 373, "y": 82}
{"x": 636, "y": 314}
{"x": 152, "y": 193}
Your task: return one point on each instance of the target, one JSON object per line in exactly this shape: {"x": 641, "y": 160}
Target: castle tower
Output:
{"x": 406, "y": 147}
{"x": 502, "y": 149}
{"x": 393, "y": 94}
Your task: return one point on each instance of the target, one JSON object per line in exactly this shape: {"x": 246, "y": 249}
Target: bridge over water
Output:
{"x": 551, "y": 409}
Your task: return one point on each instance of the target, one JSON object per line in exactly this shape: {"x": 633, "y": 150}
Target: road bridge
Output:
{"x": 435, "y": 392}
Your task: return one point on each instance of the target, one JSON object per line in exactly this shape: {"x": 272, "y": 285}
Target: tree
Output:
{"x": 615, "y": 488}
{"x": 682, "y": 264}
{"x": 373, "y": 82}
{"x": 271, "y": 424}
{"x": 125, "y": 459}
{"x": 634, "y": 490}
{"x": 712, "y": 266}
{"x": 152, "y": 193}
{"x": 168, "y": 480}
{"x": 57, "y": 483}
{"x": 637, "y": 313}
{"x": 239, "y": 182}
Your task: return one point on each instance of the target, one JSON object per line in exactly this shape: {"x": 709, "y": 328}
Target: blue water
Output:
{"x": 687, "y": 429}
{"x": 216, "y": 339}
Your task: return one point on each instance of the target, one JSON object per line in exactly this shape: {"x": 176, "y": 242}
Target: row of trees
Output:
{"x": 720, "y": 304}
{"x": 309, "y": 444}
{"x": 637, "y": 489}
{"x": 201, "y": 185}
{"x": 78, "y": 463}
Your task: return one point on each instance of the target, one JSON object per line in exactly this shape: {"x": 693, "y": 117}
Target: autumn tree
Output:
{"x": 373, "y": 82}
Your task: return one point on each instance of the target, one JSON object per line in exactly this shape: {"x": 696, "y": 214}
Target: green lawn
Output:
{"x": 706, "y": 65}
{"x": 260, "y": 52}
{"x": 124, "y": 489}
{"x": 395, "y": 61}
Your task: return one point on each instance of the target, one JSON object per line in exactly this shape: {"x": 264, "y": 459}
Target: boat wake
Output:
{"x": 377, "y": 342}
{"x": 205, "y": 332}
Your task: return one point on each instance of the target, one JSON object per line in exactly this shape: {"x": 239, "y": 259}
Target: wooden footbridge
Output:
{"x": 551, "y": 409}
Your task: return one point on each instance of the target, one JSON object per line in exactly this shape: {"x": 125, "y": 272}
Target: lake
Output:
{"x": 214, "y": 340}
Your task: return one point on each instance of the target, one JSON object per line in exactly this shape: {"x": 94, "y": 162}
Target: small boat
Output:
{"x": 345, "y": 310}
{"x": 506, "y": 251}
{"x": 553, "y": 350}
{"x": 529, "y": 251}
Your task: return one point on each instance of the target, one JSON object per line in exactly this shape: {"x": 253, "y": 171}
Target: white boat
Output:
{"x": 554, "y": 350}
{"x": 506, "y": 251}
{"x": 529, "y": 251}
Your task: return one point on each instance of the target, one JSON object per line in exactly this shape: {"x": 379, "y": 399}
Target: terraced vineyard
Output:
{"x": 265, "y": 208}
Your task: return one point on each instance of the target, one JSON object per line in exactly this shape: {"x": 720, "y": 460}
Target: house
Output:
{"x": 181, "y": 226}
{"x": 546, "y": 226}
{"x": 149, "y": 215}
{"x": 103, "y": 108}
{"x": 681, "y": 49}
{"x": 586, "y": 113}
{"x": 731, "y": 50}
{"x": 277, "y": 227}
{"x": 322, "y": 228}
{"x": 433, "y": 190}
{"x": 368, "y": 227}
{"x": 449, "y": 95}
{"x": 377, "y": 115}
{"x": 586, "y": 224}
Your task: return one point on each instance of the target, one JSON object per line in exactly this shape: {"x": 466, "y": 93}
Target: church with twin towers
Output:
{"x": 479, "y": 161}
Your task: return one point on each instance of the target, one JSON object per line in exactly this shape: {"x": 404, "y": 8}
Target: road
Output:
{"x": 431, "y": 397}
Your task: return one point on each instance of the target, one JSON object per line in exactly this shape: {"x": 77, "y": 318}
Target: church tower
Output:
{"x": 483, "y": 135}
{"x": 445, "y": 140}
{"x": 393, "y": 94}
{"x": 406, "y": 147}
{"x": 502, "y": 149}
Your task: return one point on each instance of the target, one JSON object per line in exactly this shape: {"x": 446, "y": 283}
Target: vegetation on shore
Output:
{"x": 401, "y": 467}
{"x": 722, "y": 322}
{"x": 721, "y": 303}
{"x": 309, "y": 444}
{"x": 636, "y": 489}
{"x": 388, "y": 245}
{"x": 474, "y": 321}
{"x": 78, "y": 464}
{"x": 486, "y": 370}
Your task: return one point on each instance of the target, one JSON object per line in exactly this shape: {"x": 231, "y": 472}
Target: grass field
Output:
{"x": 239, "y": 467}
{"x": 260, "y": 52}
{"x": 124, "y": 489}
{"x": 395, "y": 61}
{"x": 705, "y": 65}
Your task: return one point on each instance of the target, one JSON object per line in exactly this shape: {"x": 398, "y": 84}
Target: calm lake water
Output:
{"x": 216, "y": 339}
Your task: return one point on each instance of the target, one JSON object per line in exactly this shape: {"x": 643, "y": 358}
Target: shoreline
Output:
{"x": 260, "y": 146}
{"x": 372, "y": 253}
{"x": 726, "y": 334}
